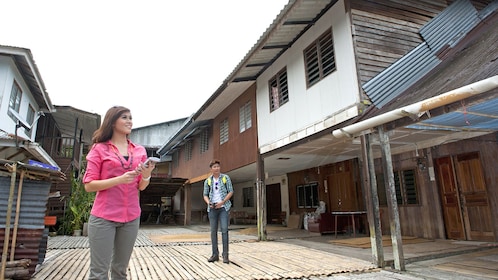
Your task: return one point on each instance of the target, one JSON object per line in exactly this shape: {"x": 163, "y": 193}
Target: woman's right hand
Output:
{"x": 129, "y": 176}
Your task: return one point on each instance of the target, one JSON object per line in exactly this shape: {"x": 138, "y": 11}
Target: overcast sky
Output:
{"x": 162, "y": 59}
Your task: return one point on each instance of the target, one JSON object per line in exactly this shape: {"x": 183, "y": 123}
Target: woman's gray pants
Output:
{"x": 111, "y": 245}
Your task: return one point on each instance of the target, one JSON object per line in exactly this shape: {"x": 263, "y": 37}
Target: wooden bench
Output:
{"x": 278, "y": 218}
{"x": 242, "y": 217}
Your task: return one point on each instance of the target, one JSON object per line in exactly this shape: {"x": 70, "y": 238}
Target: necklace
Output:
{"x": 120, "y": 160}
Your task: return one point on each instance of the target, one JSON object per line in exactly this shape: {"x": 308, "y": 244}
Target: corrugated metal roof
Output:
{"x": 28, "y": 69}
{"x": 401, "y": 75}
{"x": 444, "y": 30}
{"x": 188, "y": 130}
{"x": 473, "y": 59}
{"x": 450, "y": 25}
{"x": 482, "y": 116}
{"x": 292, "y": 22}
{"x": 71, "y": 121}
{"x": 15, "y": 150}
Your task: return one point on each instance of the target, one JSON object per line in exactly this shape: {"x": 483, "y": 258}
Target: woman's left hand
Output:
{"x": 146, "y": 171}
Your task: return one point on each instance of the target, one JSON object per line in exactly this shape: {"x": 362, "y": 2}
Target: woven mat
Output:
{"x": 364, "y": 242}
{"x": 173, "y": 238}
{"x": 254, "y": 230}
{"x": 205, "y": 236}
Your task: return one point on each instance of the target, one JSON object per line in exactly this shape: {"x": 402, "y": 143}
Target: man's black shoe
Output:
{"x": 225, "y": 259}
{"x": 213, "y": 259}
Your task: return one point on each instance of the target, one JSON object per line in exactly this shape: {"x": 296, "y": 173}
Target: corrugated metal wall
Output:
{"x": 34, "y": 198}
{"x": 31, "y": 225}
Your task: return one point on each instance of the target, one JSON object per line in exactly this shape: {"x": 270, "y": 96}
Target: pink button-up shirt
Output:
{"x": 121, "y": 202}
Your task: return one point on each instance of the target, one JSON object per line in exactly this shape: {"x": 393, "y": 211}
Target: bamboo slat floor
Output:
{"x": 68, "y": 258}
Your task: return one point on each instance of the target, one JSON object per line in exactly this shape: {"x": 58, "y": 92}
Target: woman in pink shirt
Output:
{"x": 115, "y": 170}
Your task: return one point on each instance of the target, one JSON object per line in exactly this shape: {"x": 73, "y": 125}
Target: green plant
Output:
{"x": 80, "y": 204}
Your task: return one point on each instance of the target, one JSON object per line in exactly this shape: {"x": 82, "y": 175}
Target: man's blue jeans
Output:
{"x": 219, "y": 216}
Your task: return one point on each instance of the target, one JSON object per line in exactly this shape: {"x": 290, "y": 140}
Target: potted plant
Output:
{"x": 80, "y": 205}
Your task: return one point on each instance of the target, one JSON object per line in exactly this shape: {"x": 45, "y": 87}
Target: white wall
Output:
{"x": 9, "y": 73}
{"x": 306, "y": 107}
{"x": 238, "y": 197}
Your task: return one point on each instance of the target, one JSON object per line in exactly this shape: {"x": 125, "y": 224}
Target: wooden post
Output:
{"x": 372, "y": 202}
{"x": 13, "y": 176}
{"x": 16, "y": 220}
{"x": 188, "y": 204}
{"x": 261, "y": 199}
{"x": 387, "y": 165}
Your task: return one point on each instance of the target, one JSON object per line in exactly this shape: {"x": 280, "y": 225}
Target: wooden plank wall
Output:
{"x": 384, "y": 31}
{"x": 56, "y": 206}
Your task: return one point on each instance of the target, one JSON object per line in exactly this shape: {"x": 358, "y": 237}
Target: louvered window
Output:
{"x": 279, "y": 91}
{"x": 175, "y": 159}
{"x": 204, "y": 137}
{"x": 245, "y": 121}
{"x": 319, "y": 59}
{"x": 410, "y": 187}
{"x": 405, "y": 186}
{"x": 224, "y": 131}
{"x": 188, "y": 151}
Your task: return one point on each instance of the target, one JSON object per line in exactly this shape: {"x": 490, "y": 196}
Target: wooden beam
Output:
{"x": 387, "y": 166}
{"x": 372, "y": 201}
{"x": 261, "y": 198}
{"x": 188, "y": 204}
{"x": 13, "y": 169}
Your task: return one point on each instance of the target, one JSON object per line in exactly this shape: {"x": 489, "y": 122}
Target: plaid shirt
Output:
{"x": 225, "y": 188}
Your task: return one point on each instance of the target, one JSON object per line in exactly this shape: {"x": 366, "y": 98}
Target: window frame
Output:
{"x": 30, "y": 117}
{"x": 175, "y": 157}
{"x": 319, "y": 58}
{"x": 188, "y": 150}
{"x": 248, "y": 199}
{"x": 204, "y": 141}
{"x": 278, "y": 88}
{"x": 312, "y": 201}
{"x": 224, "y": 135}
{"x": 15, "y": 100}
{"x": 245, "y": 117}
{"x": 405, "y": 185}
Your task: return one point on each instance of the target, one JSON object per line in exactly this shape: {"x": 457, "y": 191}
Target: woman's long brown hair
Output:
{"x": 104, "y": 132}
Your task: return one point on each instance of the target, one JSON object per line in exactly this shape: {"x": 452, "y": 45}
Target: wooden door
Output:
{"x": 466, "y": 210}
{"x": 474, "y": 196}
{"x": 450, "y": 199}
{"x": 273, "y": 204}
{"x": 342, "y": 192}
